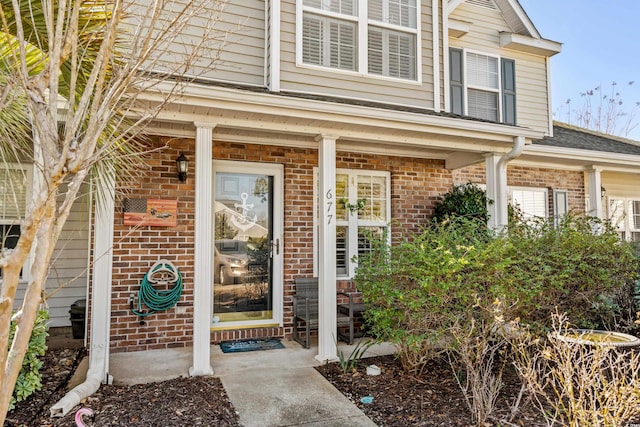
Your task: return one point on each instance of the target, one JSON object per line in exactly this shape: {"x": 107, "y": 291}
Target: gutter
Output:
{"x": 97, "y": 364}
{"x": 499, "y": 211}
{"x": 516, "y": 151}
{"x": 100, "y": 302}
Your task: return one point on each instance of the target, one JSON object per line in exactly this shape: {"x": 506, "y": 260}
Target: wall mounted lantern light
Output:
{"x": 183, "y": 167}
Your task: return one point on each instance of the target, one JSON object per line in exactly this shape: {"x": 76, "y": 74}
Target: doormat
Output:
{"x": 250, "y": 345}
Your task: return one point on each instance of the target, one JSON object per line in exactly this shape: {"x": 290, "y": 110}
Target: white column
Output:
{"x": 595, "y": 192}
{"x": 327, "y": 325}
{"x": 102, "y": 279}
{"x": 496, "y": 171}
{"x": 203, "y": 263}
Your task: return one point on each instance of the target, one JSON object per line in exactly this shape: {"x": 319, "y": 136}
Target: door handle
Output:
{"x": 276, "y": 244}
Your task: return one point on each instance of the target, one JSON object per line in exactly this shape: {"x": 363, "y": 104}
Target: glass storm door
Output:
{"x": 244, "y": 245}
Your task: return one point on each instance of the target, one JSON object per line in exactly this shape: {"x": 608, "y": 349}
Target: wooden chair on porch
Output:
{"x": 305, "y": 312}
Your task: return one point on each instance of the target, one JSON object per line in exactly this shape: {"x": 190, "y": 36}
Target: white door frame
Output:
{"x": 277, "y": 171}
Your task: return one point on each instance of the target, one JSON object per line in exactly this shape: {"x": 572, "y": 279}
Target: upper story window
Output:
{"x": 379, "y": 38}
{"x": 482, "y": 86}
{"x": 14, "y": 188}
{"x": 363, "y": 208}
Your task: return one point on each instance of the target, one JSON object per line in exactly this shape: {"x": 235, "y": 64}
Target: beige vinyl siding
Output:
{"x": 235, "y": 52}
{"x": 69, "y": 266}
{"x": 531, "y": 70}
{"x": 326, "y": 81}
{"x": 621, "y": 185}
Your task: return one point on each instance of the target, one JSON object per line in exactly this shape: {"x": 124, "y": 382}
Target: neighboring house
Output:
{"x": 68, "y": 278}
{"x": 323, "y": 122}
{"x": 611, "y": 167}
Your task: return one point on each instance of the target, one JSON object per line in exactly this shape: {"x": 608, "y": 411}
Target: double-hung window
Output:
{"x": 625, "y": 216}
{"x": 363, "y": 208}
{"x": 482, "y": 86}
{"x": 14, "y": 188}
{"x": 375, "y": 37}
{"x": 329, "y": 35}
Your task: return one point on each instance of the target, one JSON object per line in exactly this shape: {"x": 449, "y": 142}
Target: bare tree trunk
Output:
{"x": 25, "y": 318}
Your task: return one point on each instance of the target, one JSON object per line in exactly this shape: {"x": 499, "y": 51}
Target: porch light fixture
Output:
{"x": 182, "y": 164}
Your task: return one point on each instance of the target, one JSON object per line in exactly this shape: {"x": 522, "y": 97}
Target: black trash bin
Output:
{"x": 77, "y": 313}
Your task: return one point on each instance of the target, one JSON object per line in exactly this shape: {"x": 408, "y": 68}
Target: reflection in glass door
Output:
{"x": 242, "y": 255}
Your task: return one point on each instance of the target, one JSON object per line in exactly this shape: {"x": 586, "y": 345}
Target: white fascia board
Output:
{"x": 263, "y": 103}
{"x": 518, "y": 42}
{"x": 524, "y": 18}
{"x": 450, "y": 6}
{"x": 606, "y": 159}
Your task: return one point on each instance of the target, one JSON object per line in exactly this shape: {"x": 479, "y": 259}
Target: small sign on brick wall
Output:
{"x": 151, "y": 212}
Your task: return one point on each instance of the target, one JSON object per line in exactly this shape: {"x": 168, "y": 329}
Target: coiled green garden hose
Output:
{"x": 154, "y": 299}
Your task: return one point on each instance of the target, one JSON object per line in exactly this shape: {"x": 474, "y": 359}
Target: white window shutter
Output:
{"x": 312, "y": 40}
{"x": 533, "y": 203}
{"x": 375, "y": 51}
{"x": 342, "y": 49}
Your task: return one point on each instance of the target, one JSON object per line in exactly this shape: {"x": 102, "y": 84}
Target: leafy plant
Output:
{"x": 360, "y": 204}
{"x": 465, "y": 200}
{"x": 348, "y": 363}
{"x": 30, "y": 378}
{"x": 420, "y": 288}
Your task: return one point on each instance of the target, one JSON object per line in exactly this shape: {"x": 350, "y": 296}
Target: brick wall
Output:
{"x": 137, "y": 248}
{"x": 415, "y": 187}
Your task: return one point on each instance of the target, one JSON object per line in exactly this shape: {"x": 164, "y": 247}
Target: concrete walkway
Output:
{"x": 267, "y": 388}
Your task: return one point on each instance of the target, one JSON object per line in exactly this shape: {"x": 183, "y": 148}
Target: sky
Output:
{"x": 600, "y": 45}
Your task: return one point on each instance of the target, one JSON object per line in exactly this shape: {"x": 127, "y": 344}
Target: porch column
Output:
{"x": 203, "y": 265}
{"x": 327, "y": 324}
{"x": 594, "y": 191}
{"x": 496, "y": 172}
{"x": 102, "y": 279}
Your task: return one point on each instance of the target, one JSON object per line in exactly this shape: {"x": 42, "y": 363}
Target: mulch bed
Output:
{"x": 398, "y": 399}
{"x": 197, "y": 401}
{"x": 434, "y": 399}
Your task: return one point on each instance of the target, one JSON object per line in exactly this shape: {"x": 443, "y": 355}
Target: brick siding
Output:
{"x": 416, "y": 185}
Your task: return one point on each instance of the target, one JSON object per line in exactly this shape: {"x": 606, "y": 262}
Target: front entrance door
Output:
{"x": 247, "y": 243}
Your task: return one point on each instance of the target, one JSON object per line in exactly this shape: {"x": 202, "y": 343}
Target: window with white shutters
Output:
{"x": 363, "y": 207}
{"x": 331, "y": 37}
{"x": 532, "y": 202}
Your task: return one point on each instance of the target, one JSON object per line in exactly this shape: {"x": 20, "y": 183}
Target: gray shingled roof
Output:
{"x": 568, "y": 136}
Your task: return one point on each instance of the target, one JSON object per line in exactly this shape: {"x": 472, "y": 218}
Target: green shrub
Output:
{"x": 423, "y": 286}
{"x": 588, "y": 275}
{"x": 465, "y": 200}
{"x": 29, "y": 379}
{"x": 416, "y": 287}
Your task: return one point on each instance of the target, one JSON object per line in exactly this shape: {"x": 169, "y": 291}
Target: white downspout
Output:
{"x": 496, "y": 168}
{"x": 100, "y": 305}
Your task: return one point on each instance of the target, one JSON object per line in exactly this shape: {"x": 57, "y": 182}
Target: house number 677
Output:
{"x": 329, "y": 198}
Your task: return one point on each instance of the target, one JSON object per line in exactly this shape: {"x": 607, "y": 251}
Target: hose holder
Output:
{"x": 162, "y": 273}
